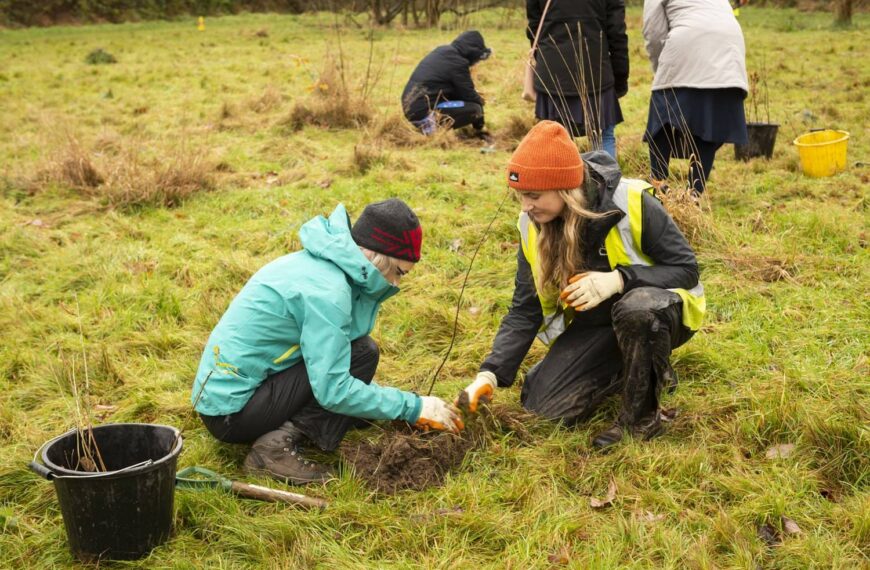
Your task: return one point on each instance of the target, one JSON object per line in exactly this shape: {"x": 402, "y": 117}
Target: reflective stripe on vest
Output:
{"x": 623, "y": 247}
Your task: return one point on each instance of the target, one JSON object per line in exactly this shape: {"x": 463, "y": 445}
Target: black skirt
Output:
{"x": 603, "y": 110}
{"x": 712, "y": 115}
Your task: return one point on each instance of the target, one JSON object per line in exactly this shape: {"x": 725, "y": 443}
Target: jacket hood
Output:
{"x": 604, "y": 169}
{"x": 470, "y": 46}
{"x": 330, "y": 239}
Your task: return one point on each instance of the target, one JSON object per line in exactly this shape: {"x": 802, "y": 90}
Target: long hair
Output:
{"x": 561, "y": 250}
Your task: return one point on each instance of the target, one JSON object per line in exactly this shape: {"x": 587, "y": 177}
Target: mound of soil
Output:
{"x": 404, "y": 458}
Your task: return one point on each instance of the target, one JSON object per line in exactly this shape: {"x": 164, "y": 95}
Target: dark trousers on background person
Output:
{"x": 286, "y": 396}
{"x": 461, "y": 113}
{"x": 587, "y": 363}
{"x": 671, "y": 143}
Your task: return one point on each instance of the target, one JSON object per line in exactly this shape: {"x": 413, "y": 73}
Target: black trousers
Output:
{"x": 469, "y": 114}
{"x": 670, "y": 143}
{"x": 587, "y": 363}
{"x": 287, "y": 396}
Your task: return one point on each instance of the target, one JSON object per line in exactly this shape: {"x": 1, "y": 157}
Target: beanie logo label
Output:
{"x": 514, "y": 176}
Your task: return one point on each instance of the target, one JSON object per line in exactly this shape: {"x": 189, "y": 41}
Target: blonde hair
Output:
{"x": 384, "y": 263}
{"x": 561, "y": 250}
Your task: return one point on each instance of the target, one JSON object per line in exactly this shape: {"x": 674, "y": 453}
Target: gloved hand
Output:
{"x": 620, "y": 86}
{"x": 478, "y": 391}
{"x": 438, "y": 414}
{"x": 588, "y": 290}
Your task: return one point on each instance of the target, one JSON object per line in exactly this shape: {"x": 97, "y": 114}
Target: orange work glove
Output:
{"x": 439, "y": 415}
{"x": 480, "y": 390}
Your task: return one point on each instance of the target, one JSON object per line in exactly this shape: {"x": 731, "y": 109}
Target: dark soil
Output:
{"x": 404, "y": 458}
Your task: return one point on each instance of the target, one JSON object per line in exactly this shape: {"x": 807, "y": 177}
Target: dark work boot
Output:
{"x": 648, "y": 428}
{"x": 278, "y": 454}
{"x": 609, "y": 437}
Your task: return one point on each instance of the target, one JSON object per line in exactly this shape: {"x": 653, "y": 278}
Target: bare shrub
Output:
{"x": 334, "y": 102}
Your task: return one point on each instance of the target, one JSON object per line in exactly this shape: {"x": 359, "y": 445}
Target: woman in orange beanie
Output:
{"x": 604, "y": 278}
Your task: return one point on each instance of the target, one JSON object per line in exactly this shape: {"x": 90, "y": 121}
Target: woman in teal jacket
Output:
{"x": 291, "y": 357}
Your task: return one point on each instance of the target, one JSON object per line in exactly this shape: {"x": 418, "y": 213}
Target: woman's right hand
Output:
{"x": 439, "y": 415}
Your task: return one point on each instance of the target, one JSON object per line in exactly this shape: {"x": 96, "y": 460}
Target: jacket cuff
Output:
{"x": 501, "y": 382}
{"x": 628, "y": 277}
{"x": 414, "y": 413}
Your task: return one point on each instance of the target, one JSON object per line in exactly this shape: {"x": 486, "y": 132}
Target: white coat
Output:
{"x": 694, "y": 43}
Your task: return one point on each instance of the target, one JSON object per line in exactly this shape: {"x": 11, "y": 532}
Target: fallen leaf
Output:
{"x": 606, "y": 501}
{"x": 455, "y": 245}
{"x": 561, "y": 556}
{"x": 780, "y": 451}
{"x": 790, "y": 527}
{"x": 325, "y": 183}
{"x": 474, "y": 311}
{"x": 36, "y": 222}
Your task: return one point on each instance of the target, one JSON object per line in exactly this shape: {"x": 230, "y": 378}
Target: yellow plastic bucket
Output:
{"x": 823, "y": 153}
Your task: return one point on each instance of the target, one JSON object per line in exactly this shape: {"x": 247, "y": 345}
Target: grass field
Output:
{"x": 138, "y": 197}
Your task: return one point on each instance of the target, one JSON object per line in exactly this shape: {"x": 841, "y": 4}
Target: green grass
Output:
{"x": 782, "y": 357}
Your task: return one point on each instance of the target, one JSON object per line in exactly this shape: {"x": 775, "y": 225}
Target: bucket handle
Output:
{"x": 48, "y": 474}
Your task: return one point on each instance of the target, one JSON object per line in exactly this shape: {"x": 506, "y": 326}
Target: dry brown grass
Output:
{"x": 516, "y": 128}
{"x": 73, "y": 166}
{"x": 367, "y": 155}
{"x": 269, "y": 100}
{"x": 692, "y": 217}
{"x": 123, "y": 175}
{"x": 332, "y": 104}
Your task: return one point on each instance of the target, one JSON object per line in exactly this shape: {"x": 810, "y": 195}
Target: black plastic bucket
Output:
{"x": 762, "y": 138}
{"x": 124, "y": 512}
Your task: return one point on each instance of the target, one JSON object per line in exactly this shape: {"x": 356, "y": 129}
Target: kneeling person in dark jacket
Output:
{"x": 442, "y": 84}
{"x": 291, "y": 358}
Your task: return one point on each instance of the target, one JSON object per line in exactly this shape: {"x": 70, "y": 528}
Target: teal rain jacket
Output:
{"x": 306, "y": 306}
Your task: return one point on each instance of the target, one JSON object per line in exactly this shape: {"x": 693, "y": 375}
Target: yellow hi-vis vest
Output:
{"x": 623, "y": 247}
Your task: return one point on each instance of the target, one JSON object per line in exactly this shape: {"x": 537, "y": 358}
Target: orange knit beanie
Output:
{"x": 546, "y": 159}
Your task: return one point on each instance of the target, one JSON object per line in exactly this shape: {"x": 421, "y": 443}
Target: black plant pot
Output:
{"x": 762, "y": 138}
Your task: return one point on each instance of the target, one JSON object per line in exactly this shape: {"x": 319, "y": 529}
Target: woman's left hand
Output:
{"x": 588, "y": 290}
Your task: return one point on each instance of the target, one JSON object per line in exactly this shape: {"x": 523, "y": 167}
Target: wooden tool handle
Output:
{"x": 276, "y": 496}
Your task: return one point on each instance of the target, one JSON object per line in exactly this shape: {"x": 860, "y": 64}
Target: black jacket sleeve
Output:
{"x": 675, "y": 262}
{"x": 463, "y": 85}
{"x": 617, "y": 42}
{"x": 518, "y": 328}
{"x": 533, "y": 14}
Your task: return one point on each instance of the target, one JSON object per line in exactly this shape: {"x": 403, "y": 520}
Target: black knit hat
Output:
{"x": 390, "y": 228}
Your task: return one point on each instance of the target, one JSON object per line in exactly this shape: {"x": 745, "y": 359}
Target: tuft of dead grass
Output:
{"x": 332, "y": 104}
{"x": 270, "y": 99}
{"x": 366, "y": 155}
{"x": 692, "y": 217}
{"x": 72, "y": 166}
{"x": 126, "y": 177}
{"x": 516, "y": 128}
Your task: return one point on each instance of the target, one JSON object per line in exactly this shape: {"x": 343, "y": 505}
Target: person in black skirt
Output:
{"x": 699, "y": 59}
{"x": 581, "y": 66}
